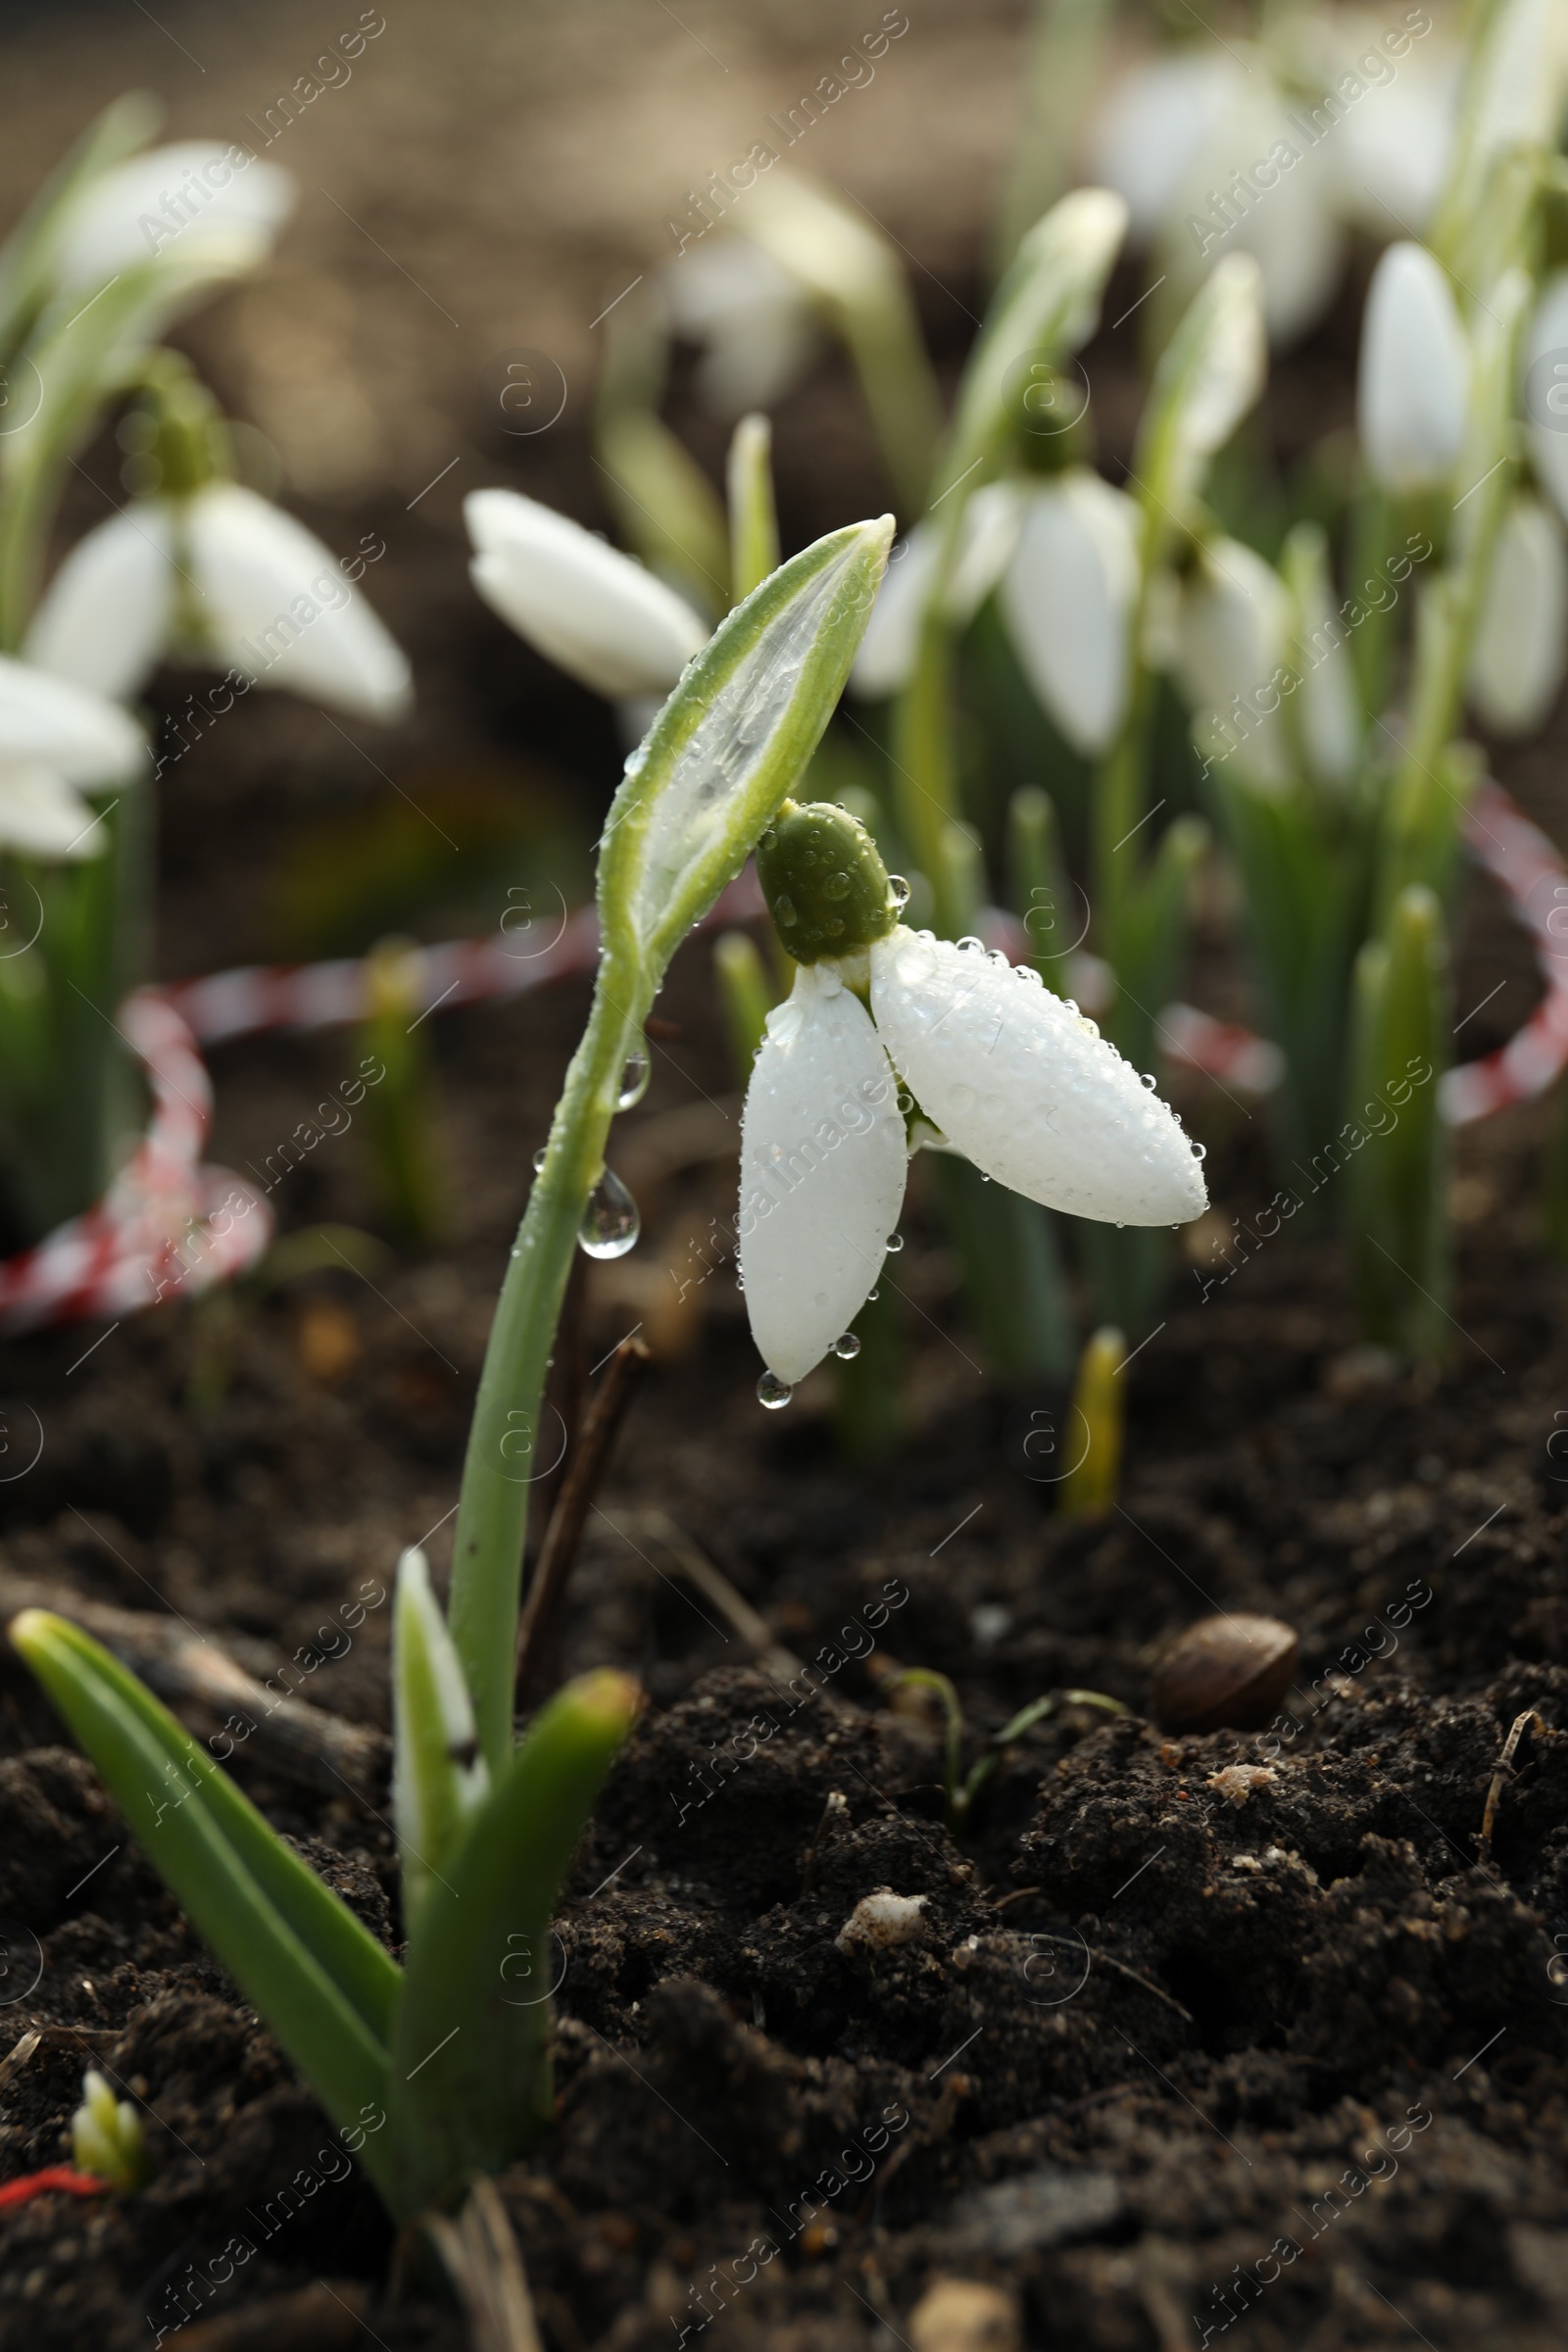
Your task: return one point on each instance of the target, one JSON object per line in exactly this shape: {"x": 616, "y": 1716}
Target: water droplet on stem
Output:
{"x": 610, "y": 1223}
{"x": 633, "y": 1078}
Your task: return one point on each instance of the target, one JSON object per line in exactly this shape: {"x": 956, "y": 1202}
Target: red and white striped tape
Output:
{"x": 169, "y": 1224}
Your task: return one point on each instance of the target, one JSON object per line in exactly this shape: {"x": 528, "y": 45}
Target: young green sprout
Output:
{"x": 963, "y": 1788}
{"x": 106, "y": 2137}
{"x": 1099, "y": 1412}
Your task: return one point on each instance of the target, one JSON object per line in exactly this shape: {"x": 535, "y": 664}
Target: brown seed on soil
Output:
{"x": 1223, "y": 1672}
{"x": 964, "y": 2314}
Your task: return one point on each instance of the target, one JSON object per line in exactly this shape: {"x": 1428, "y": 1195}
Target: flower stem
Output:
{"x": 500, "y": 1467}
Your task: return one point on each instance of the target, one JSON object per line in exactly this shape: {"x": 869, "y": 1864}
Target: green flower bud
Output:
{"x": 826, "y": 886}
{"x": 176, "y": 436}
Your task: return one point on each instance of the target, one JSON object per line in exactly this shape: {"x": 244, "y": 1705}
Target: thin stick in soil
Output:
{"x": 1503, "y": 1773}
{"x": 539, "y": 1626}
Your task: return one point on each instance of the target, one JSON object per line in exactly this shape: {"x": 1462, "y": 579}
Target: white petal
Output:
{"x": 1027, "y": 1088}
{"x": 79, "y": 734}
{"x": 756, "y": 326}
{"x": 1234, "y": 621}
{"x": 1516, "y": 666}
{"x": 1546, "y": 390}
{"x": 989, "y": 535}
{"x": 275, "y": 603}
{"x": 42, "y": 816}
{"x": 1068, "y": 597}
{"x": 1235, "y": 358}
{"x": 105, "y": 618}
{"x": 188, "y": 200}
{"x": 1414, "y": 372}
{"x": 1158, "y": 119}
{"x": 822, "y": 1172}
{"x": 1390, "y": 158}
{"x": 585, "y": 606}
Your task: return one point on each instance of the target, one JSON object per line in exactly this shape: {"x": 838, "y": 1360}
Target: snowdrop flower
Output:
{"x": 989, "y": 534}
{"x": 1068, "y": 597}
{"x": 1546, "y": 390}
{"x": 582, "y": 604}
{"x": 216, "y": 575}
{"x": 1011, "y": 1075}
{"x": 756, "y": 328}
{"x": 1231, "y": 630}
{"x": 54, "y": 737}
{"x": 1414, "y": 372}
{"x": 213, "y": 207}
{"x": 1275, "y": 151}
{"x": 1516, "y": 665}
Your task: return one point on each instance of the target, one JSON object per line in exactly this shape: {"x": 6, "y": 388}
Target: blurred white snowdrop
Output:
{"x": 53, "y": 739}
{"x": 988, "y": 537}
{"x": 218, "y": 208}
{"x": 1275, "y": 149}
{"x": 582, "y": 604}
{"x": 756, "y": 328}
{"x": 1012, "y": 1076}
{"x": 1516, "y": 665}
{"x": 1546, "y": 390}
{"x": 1414, "y": 375}
{"x": 1068, "y": 596}
{"x": 217, "y": 576}
{"x": 1232, "y": 635}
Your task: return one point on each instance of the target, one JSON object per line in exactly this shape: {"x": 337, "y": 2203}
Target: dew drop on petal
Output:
{"x": 898, "y": 890}
{"x": 539, "y": 1159}
{"x": 610, "y": 1223}
{"x": 633, "y": 1078}
{"x": 873, "y": 1294}
{"x": 893, "y": 1244}
{"x": 773, "y": 1392}
{"x": 964, "y": 1098}
{"x": 971, "y": 944}
{"x": 784, "y": 908}
{"x": 847, "y": 1348}
{"x": 1199, "y": 1151}
{"x": 1149, "y": 1080}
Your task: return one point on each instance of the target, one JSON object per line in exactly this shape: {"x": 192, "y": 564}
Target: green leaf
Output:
{"x": 1047, "y": 305}
{"x": 1209, "y": 375}
{"x": 468, "y": 2089}
{"x": 123, "y": 129}
{"x": 1394, "y": 1143}
{"x": 439, "y": 1780}
{"x": 323, "y": 1985}
{"x": 753, "y": 520}
{"x": 731, "y": 741}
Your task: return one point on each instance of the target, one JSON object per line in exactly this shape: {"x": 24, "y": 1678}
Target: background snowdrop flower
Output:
{"x": 221, "y": 576}
{"x": 54, "y": 737}
{"x": 213, "y": 206}
{"x": 1156, "y": 123}
{"x": 1068, "y": 597}
{"x": 756, "y": 328}
{"x": 584, "y": 605}
{"x": 988, "y": 536}
{"x": 1232, "y": 630}
{"x": 1414, "y": 372}
{"x": 1516, "y": 665}
{"x": 1016, "y": 1079}
{"x": 1546, "y": 390}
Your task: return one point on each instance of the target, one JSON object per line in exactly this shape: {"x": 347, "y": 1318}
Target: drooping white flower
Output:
{"x": 1068, "y": 597}
{"x": 988, "y": 536}
{"x": 209, "y": 205}
{"x": 53, "y": 739}
{"x": 756, "y": 328}
{"x": 582, "y": 604}
{"x": 220, "y": 576}
{"x": 1013, "y": 1077}
{"x": 1516, "y": 663}
{"x": 1273, "y": 148}
{"x": 1232, "y": 631}
{"x": 1414, "y": 375}
{"x": 1546, "y": 390}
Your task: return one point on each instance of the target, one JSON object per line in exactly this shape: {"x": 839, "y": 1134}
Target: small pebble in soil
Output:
{"x": 1223, "y": 1673}
{"x": 964, "y": 2314}
{"x": 881, "y": 1919}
